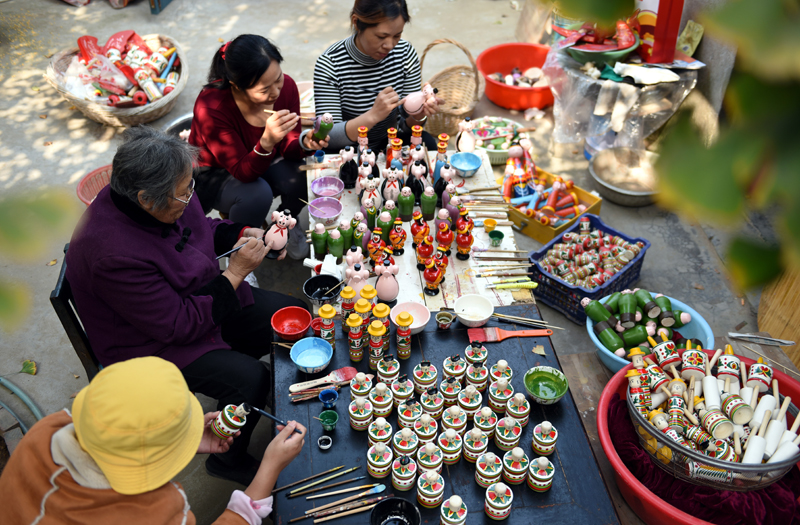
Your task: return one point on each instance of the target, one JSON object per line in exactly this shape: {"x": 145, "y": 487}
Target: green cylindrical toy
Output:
{"x": 394, "y": 212}
{"x": 613, "y": 301}
{"x": 635, "y": 336}
{"x": 335, "y": 245}
{"x": 319, "y": 238}
{"x": 347, "y": 233}
{"x": 385, "y": 224}
{"x": 649, "y": 307}
{"x": 405, "y": 205}
{"x": 608, "y": 336}
{"x": 596, "y": 311}
{"x": 681, "y": 318}
{"x": 666, "y": 317}
{"x": 627, "y": 310}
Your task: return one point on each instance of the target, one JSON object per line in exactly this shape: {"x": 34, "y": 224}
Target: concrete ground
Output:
{"x": 684, "y": 259}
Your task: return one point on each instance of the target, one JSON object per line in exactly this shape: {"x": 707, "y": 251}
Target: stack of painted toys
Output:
{"x": 631, "y": 318}
{"x": 713, "y": 430}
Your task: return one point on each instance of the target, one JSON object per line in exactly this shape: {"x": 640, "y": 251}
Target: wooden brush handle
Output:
{"x": 297, "y": 387}
{"x": 532, "y": 333}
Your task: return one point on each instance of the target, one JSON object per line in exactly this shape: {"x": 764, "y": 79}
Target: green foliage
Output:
{"x": 605, "y": 12}
{"x": 28, "y": 367}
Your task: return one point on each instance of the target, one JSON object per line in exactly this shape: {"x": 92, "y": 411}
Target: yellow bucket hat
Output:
{"x": 139, "y": 422}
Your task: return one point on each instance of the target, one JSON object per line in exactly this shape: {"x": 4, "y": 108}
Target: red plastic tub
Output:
{"x": 649, "y": 507}
{"x": 91, "y": 184}
{"x": 502, "y": 58}
{"x": 291, "y": 323}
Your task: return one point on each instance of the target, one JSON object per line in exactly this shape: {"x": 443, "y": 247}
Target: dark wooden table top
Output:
{"x": 578, "y": 494}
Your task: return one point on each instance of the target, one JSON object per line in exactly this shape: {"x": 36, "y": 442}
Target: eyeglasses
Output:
{"x": 188, "y": 195}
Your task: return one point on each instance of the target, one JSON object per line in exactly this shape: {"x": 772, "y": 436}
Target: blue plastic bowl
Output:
{"x": 311, "y": 355}
{"x": 697, "y": 328}
{"x": 465, "y": 163}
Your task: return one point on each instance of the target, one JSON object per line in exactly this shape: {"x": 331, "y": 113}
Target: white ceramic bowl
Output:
{"x": 473, "y": 310}
{"x": 418, "y": 311}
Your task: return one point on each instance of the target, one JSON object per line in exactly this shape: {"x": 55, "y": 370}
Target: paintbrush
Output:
{"x": 311, "y": 205}
{"x": 325, "y": 487}
{"x": 231, "y": 251}
{"x": 370, "y": 492}
{"x": 251, "y": 408}
{"x": 512, "y": 286}
{"x": 307, "y": 479}
{"x": 272, "y": 112}
{"x": 293, "y": 493}
{"x": 342, "y": 374}
{"x": 346, "y": 506}
{"x": 495, "y": 335}
{"x": 343, "y": 491}
{"x": 346, "y": 513}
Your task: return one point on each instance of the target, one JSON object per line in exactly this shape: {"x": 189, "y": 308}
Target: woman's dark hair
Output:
{"x": 370, "y": 13}
{"x": 242, "y": 61}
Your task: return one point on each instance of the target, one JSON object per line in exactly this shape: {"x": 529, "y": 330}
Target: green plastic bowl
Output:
{"x": 603, "y": 57}
{"x": 546, "y": 385}
{"x": 329, "y": 418}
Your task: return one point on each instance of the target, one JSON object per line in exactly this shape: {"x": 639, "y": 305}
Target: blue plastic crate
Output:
{"x": 565, "y": 297}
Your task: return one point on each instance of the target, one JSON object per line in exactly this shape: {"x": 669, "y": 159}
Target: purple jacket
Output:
{"x": 145, "y": 288}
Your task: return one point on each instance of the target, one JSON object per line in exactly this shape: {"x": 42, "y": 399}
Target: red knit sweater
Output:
{"x": 226, "y": 139}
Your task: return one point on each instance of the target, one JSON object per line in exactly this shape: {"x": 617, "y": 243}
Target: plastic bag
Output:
{"x": 105, "y": 70}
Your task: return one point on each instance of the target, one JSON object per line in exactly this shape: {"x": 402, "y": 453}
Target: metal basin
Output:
{"x": 625, "y": 176}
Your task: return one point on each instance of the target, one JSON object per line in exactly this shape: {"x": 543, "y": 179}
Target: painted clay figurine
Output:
{"x": 322, "y": 125}
{"x": 441, "y": 260}
{"x": 346, "y": 231}
{"x": 405, "y": 204}
{"x": 433, "y": 277}
{"x": 398, "y": 237}
{"x": 424, "y": 251}
{"x": 428, "y": 204}
{"x": 371, "y": 192}
{"x": 445, "y": 236}
{"x": 368, "y": 156}
{"x": 357, "y": 277}
{"x": 419, "y": 230}
{"x": 364, "y": 171}
{"x": 464, "y": 242}
{"x": 336, "y": 245}
{"x": 416, "y": 136}
{"x": 391, "y": 207}
{"x": 441, "y": 157}
{"x": 385, "y": 224}
{"x": 416, "y": 180}
{"x": 390, "y": 188}
{"x": 415, "y": 102}
{"x": 465, "y": 140}
{"x": 369, "y": 211}
{"x": 375, "y": 246}
{"x": 440, "y": 186}
{"x": 278, "y": 233}
{"x": 319, "y": 238}
{"x": 387, "y": 285}
{"x": 453, "y": 208}
{"x": 363, "y": 138}
{"x": 348, "y": 171}
{"x": 361, "y": 237}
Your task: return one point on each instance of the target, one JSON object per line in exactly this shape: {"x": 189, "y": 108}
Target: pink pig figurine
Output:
{"x": 278, "y": 233}
{"x": 387, "y": 286}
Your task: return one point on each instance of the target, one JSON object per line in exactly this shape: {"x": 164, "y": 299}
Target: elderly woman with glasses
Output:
{"x": 143, "y": 270}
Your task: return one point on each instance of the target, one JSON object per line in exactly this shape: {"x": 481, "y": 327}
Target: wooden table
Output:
{"x": 577, "y": 495}
{"x": 460, "y": 276}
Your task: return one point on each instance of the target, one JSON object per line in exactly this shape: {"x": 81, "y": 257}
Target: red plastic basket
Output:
{"x": 502, "y": 58}
{"x": 92, "y": 183}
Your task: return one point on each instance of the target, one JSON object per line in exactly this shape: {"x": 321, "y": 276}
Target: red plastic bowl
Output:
{"x": 316, "y": 325}
{"x": 649, "y": 507}
{"x": 502, "y": 58}
{"x": 291, "y": 323}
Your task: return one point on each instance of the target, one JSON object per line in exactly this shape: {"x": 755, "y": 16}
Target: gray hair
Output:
{"x": 150, "y": 161}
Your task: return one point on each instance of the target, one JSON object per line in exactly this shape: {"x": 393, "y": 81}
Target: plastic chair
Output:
{"x": 64, "y": 304}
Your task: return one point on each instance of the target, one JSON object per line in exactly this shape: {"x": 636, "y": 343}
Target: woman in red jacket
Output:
{"x": 247, "y": 156}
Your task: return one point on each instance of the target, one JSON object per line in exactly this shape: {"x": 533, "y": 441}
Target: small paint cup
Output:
{"x": 444, "y": 320}
{"x": 319, "y": 156}
{"x": 328, "y": 398}
{"x": 329, "y": 418}
{"x": 489, "y": 225}
{"x": 496, "y": 237}
{"x": 316, "y": 325}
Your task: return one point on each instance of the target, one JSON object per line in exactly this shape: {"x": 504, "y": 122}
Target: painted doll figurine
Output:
{"x": 428, "y": 204}
{"x": 387, "y": 285}
{"x": 445, "y": 237}
{"x": 464, "y": 220}
{"x": 357, "y": 277}
{"x": 416, "y": 180}
{"x": 416, "y": 136}
{"x": 442, "y": 217}
{"x": 360, "y": 237}
{"x": 453, "y": 207}
{"x": 371, "y": 192}
{"x": 278, "y": 233}
{"x": 424, "y": 251}
{"x": 675, "y": 405}
{"x": 398, "y": 237}
{"x": 464, "y": 242}
{"x": 384, "y": 222}
{"x": 433, "y": 276}
{"x": 354, "y": 256}
{"x": 363, "y": 139}
{"x": 390, "y": 187}
{"x": 348, "y": 171}
{"x": 419, "y": 230}
{"x": 385, "y": 255}
{"x": 660, "y": 420}
{"x": 441, "y": 160}
{"x": 445, "y": 177}
{"x": 370, "y": 212}
{"x": 322, "y": 125}
{"x": 641, "y": 403}
{"x": 364, "y": 171}
{"x": 465, "y": 140}
{"x": 319, "y": 239}
{"x": 418, "y": 155}
{"x": 368, "y": 156}
{"x": 415, "y": 101}
{"x": 346, "y": 232}
{"x": 358, "y": 218}
{"x": 391, "y": 207}
{"x": 394, "y": 151}
{"x": 449, "y": 193}
{"x": 441, "y": 259}
{"x": 375, "y": 246}
{"x": 405, "y": 204}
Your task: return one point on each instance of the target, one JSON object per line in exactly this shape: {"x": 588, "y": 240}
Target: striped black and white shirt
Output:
{"x": 342, "y": 68}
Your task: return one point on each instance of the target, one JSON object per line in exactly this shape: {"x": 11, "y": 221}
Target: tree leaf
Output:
{"x": 27, "y": 224}
{"x": 14, "y": 305}
{"x": 752, "y": 263}
{"x": 605, "y": 12}
{"x": 28, "y": 367}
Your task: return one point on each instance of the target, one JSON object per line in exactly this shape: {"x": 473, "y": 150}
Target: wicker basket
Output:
{"x": 461, "y": 87}
{"x": 120, "y": 116}
{"x": 91, "y": 184}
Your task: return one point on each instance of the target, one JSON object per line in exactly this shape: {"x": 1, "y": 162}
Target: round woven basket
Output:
{"x": 120, "y": 116}
{"x": 461, "y": 87}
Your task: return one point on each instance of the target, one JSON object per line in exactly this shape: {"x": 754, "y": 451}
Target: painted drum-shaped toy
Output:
{"x": 432, "y": 402}
{"x": 430, "y": 489}
{"x": 736, "y": 409}
{"x": 404, "y": 472}
{"x": 388, "y": 369}
{"x": 360, "y": 414}
{"x": 450, "y": 389}
{"x": 545, "y": 436}
{"x": 515, "y": 466}
{"x": 405, "y": 442}
{"x": 360, "y": 386}
{"x": 227, "y": 423}
{"x": 728, "y": 365}
{"x": 402, "y": 389}
{"x": 408, "y": 413}
{"x": 696, "y": 435}
{"x": 498, "y": 501}
{"x": 694, "y": 364}
{"x": 476, "y": 353}
{"x": 430, "y": 457}
{"x": 379, "y": 431}
{"x": 379, "y": 460}
{"x": 426, "y": 428}
{"x": 508, "y": 433}
{"x": 519, "y": 408}
{"x": 500, "y": 392}
{"x": 486, "y": 420}
{"x": 667, "y": 355}
{"x": 470, "y": 401}
{"x": 760, "y": 376}
{"x": 454, "y": 366}
{"x": 540, "y": 474}
{"x": 488, "y": 469}
{"x": 501, "y": 370}
{"x": 657, "y": 378}
{"x": 381, "y": 398}
{"x": 475, "y": 444}
{"x": 716, "y": 423}
{"x": 723, "y": 451}
{"x": 454, "y": 512}
{"x": 451, "y": 444}
{"x": 478, "y": 376}
{"x": 455, "y": 418}
{"x": 424, "y": 376}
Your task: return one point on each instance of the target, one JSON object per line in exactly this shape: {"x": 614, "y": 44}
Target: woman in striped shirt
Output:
{"x": 363, "y": 79}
